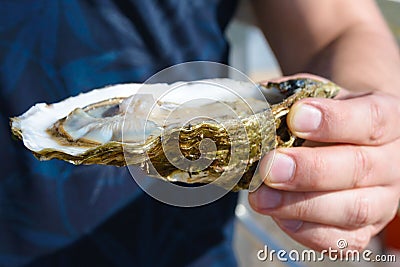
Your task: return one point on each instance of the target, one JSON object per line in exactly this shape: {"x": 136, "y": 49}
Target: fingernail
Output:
{"x": 291, "y": 225}
{"x": 265, "y": 198}
{"x": 306, "y": 118}
{"x": 282, "y": 169}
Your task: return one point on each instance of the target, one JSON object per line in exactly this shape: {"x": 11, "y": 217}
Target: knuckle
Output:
{"x": 333, "y": 119}
{"x": 319, "y": 164}
{"x": 358, "y": 216}
{"x": 377, "y": 122}
{"x": 362, "y": 166}
{"x": 303, "y": 209}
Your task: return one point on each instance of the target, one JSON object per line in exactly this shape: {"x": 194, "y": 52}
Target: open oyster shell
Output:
{"x": 142, "y": 124}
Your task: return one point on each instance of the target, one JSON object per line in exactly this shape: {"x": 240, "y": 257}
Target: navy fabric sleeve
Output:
{"x": 56, "y": 214}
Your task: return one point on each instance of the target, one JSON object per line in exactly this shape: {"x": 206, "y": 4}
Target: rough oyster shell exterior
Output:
{"x": 264, "y": 131}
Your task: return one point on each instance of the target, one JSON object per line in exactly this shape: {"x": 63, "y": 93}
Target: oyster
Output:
{"x": 152, "y": 125}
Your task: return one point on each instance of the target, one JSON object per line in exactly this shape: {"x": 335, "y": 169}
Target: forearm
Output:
{"x": 361, "y": 59}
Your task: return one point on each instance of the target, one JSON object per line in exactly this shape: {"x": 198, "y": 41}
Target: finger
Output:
{"x": 332, "y": 167}
{"x": 322, "y": 237}
{"x": 370, "y": 119}
{"x": 349, "y": 209}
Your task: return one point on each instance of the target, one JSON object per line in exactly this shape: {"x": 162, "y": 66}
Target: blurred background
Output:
{"x": 253, "y": 231}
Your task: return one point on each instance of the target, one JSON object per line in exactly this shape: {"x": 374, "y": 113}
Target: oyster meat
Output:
{"x": 190, "y": 132}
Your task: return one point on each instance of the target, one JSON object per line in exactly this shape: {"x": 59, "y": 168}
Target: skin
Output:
{"x": 345, "y": 182}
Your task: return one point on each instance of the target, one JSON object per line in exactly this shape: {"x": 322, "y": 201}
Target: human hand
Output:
{"x": 346, "y": 186}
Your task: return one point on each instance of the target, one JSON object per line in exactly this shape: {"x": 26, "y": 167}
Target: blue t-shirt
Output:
{"x": 55, "y": 214}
